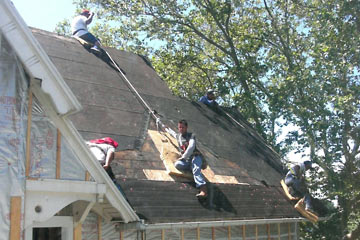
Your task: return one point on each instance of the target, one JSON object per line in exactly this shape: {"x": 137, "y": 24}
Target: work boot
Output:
{"x": 203, "y": 192}
{"x": 95, "y": 48}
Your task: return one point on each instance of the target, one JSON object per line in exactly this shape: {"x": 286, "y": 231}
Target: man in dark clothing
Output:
{"x": 295, "y": 180}
{"x": 209, "y": 98}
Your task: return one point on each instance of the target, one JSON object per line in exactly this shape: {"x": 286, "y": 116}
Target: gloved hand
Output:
{"x": 159, "y": 123}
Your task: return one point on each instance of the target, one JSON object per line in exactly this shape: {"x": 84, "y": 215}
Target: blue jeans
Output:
{"x": 299, "y": 187}
{"x": 89, "y": 38}
{"x": 194, "y": 166}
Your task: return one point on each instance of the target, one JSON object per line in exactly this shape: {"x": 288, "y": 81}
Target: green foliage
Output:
{"x": 281, "y": 63}
{"x": 63, "y": 28}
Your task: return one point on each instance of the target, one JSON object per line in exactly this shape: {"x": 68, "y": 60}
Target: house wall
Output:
{"x": 13, "y": 104}
{"x": 47, "y": 156}
{"x": 282, "y": 231}
{"x": 44, "y": 154}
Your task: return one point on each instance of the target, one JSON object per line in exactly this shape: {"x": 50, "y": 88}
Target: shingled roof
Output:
{"x": 233, "y": 149}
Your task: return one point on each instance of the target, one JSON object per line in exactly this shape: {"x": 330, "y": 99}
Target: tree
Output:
{"x": 320, "y": 86}
{"x": 279, "y": 62}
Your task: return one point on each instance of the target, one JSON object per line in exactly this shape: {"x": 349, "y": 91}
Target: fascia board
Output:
{"x": 208, "y": 224}
{"x": 36, "y": 61}
{"x": 88, "y": 160}
{"x": 66, "y": 186}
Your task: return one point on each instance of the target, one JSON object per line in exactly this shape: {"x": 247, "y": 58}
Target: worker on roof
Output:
{"x": 104, "y": 151}
{"x": 295, "y": 180}
{"x": 209, "y": 98}
{"x": 191, "y": 159}
{"x": 79, "y": 28}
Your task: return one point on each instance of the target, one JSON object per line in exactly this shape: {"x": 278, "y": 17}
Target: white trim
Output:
{"x": 206, "y": 224}
{"x": 35, "y": 59}
{"x": 44, "y": 198}
{"x": 88, "y": 160}
{"x": 81, "y": 210}
{"x": 65, "y": 186}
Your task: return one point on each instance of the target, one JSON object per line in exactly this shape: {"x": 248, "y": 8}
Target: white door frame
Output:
{"x": 65, "y": 222}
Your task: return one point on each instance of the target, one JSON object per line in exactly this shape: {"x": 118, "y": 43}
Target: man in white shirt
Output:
{"x": 79, "y": 28}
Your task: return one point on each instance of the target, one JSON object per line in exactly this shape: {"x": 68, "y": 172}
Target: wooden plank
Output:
{"x": 213, "y": 233}
{"x": 299, "y": 206}
{"x": 99, "y": 227}
{"x": 244, "y": 232}
{"x": 162, "y": 234}
{"x": 143, "y": 236}
{"x": 182, "y": 233}
{"x": 58, "y": 154}
{"x": 198, "y": 233}
{"x": 229, "y": 232}
{"x": 289, "y": 231}
{"x": 279, "y": 232}
{"x": 169, "y": 154}
{"x": 268, "y": 231}
{"x": 28, "y": 134}
{"x": 166, "y": 145}
{"x": 15, "y": 218}
{"x": 87, "y": 176}
{"x": 83, "y": 42}
{"x": 286, "y": 191}
{"x": 77, "y": 232}
{"x": 157, "y": 175}
{"x": 256, "y": 232}
{"x": 121, "y": 235}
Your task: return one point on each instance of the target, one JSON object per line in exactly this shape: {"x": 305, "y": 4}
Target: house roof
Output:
{"x": 232, "y": 148}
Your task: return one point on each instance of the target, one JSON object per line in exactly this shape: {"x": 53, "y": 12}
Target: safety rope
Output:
{"x": 158, "y": 121}
{"x": 132, "y": 87}
{"x": 159, "y": 124}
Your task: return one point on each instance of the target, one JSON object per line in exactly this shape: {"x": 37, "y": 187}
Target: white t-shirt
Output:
{"x": 77, "y": 23}
{"x": 100, "y": 150}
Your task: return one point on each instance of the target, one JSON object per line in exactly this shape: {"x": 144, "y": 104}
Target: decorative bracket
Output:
{"x": 44, "y": 198}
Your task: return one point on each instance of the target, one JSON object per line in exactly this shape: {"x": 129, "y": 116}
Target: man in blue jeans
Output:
{"x": 190, "y": 159}
{"x": 295, "y": 180}
{"x": 79, "y": 28}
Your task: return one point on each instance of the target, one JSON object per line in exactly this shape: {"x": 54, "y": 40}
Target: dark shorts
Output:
{"x": 110, "y": 173}
{"x": 89, "y": 38}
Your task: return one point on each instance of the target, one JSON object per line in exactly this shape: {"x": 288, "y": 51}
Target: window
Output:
{"x": 56, "y": 228}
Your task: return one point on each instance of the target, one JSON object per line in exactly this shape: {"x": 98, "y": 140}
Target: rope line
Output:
{"x": 131, "y": 86}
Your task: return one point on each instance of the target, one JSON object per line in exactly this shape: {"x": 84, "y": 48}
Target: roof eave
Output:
{"x": 206, "y": 224}
{"x": 35, "y": 60}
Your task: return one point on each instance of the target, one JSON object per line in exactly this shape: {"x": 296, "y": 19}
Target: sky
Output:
{"x": 44, "y": 14}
